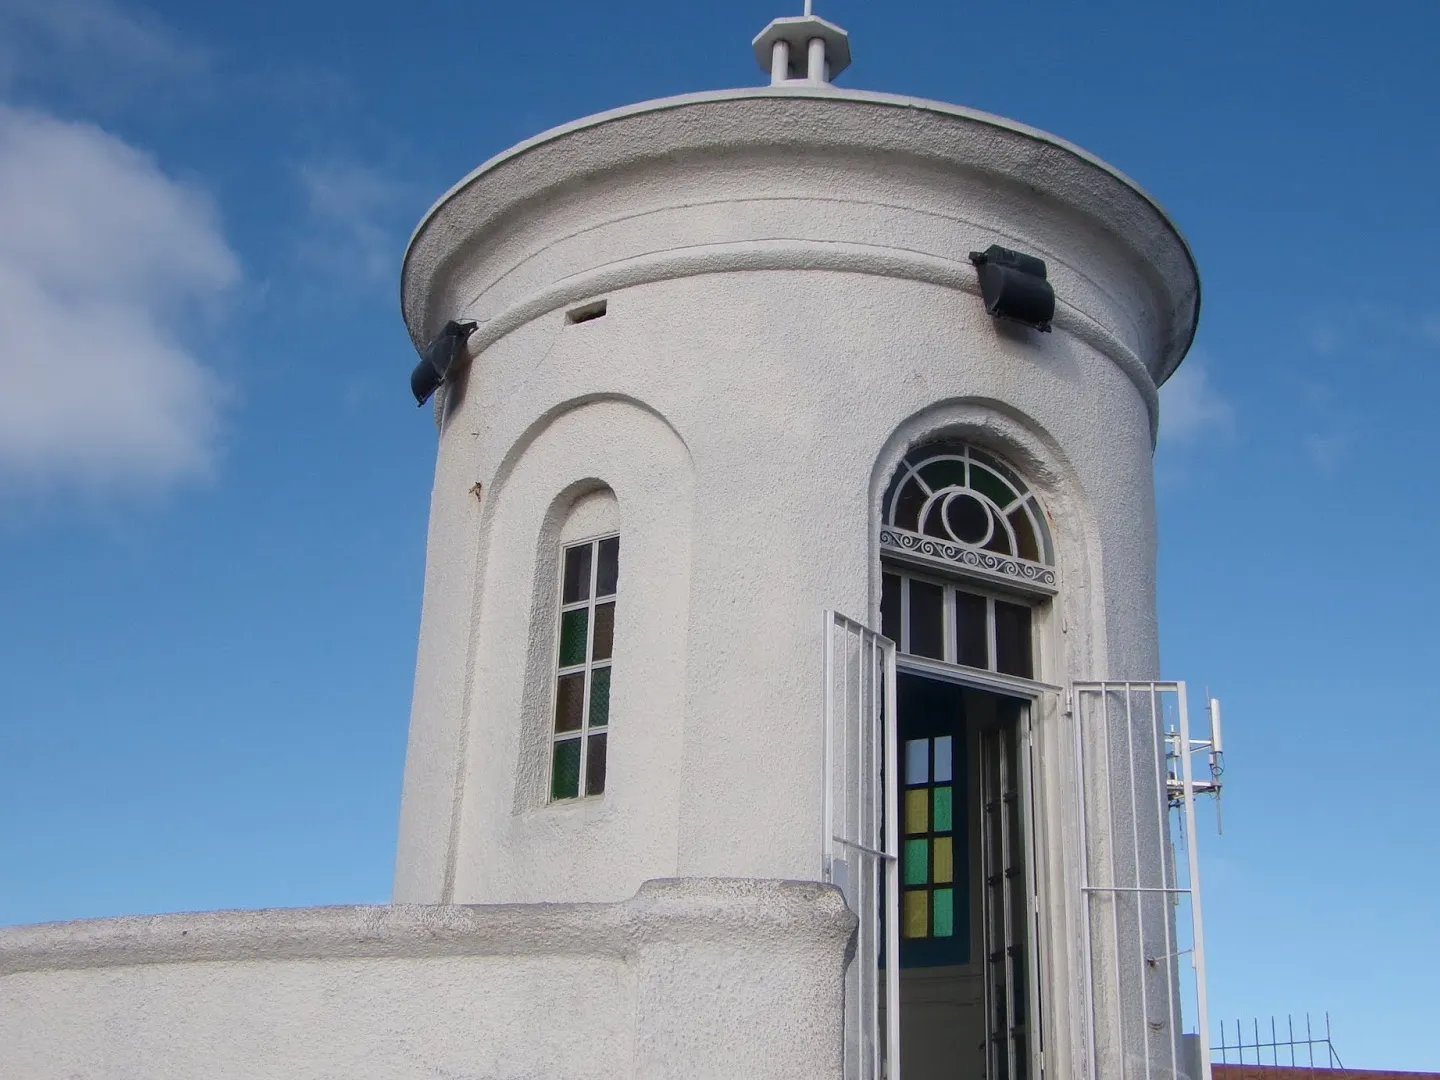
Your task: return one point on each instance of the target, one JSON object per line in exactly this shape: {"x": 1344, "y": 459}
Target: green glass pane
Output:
{"x": 569, "y": 701}
{"x": 943, "y": 799}
{"x": 600, "y": 697}
{"x": 565, "y": 770}
{"x": 944, "y": 906}
{"x": 988, "y": 484}
{"x": 573, "y": 625}
{"x": 942, "y": 474}
{"x": 917, "y": 862}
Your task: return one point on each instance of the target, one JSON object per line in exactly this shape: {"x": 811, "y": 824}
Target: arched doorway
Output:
{"x": 967, "y": 575}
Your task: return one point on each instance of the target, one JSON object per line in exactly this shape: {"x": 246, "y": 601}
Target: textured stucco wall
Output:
{"x": 687, "y": 979}
{"x": 789, "y": 309}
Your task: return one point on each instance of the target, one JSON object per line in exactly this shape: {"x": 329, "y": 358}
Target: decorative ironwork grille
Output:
{"x": 957, "y": 506}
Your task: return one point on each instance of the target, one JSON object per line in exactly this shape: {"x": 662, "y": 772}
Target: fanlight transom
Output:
{"x": 955, "y": 503}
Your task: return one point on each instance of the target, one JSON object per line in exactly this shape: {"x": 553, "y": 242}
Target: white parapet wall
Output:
{"x": 689, "y": 978}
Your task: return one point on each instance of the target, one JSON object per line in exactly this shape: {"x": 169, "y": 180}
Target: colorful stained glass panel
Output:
{"x": 915, "y": 914}
{"x": 944, "y": 860}
{"x": 565, "y": 770}
{"x": 600, "y": 697}
{"x": 573, "y": 625}
{"x": 916, "y": 869}
{"x": 944, "y": 912}
{"x": 944, "y": 797}
{"x": 917, "y": 761}
{"x": 917, "y": 811}
{"x": 942, "y": 759}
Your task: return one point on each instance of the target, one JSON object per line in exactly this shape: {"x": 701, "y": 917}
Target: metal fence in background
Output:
{"x": 1286, "y": 1046}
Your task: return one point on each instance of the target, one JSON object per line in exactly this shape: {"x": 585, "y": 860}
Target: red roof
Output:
{"x": 1304, "y": 1072}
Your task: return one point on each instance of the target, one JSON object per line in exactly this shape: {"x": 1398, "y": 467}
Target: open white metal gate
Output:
{"x": 860, "y": 842}
{"x": 1141, "y": 903}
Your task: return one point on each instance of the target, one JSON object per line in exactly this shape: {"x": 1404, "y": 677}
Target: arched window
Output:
{"x": 589, "y": 581}
{"x": 953, "y": 504}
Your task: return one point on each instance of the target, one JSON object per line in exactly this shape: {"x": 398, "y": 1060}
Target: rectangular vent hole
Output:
{"x": 586, "y": 312}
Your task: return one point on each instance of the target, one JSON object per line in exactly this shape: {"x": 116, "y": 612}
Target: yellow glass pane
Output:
{"x": 915, "y": 916}
{"x": 917, "y": 810}
{"x": 944, "y": 859}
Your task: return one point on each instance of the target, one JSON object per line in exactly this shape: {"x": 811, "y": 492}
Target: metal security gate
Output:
{"x": 1010, "y": 990}
{"x": 1141, "y": 905}
{"x": 860, "y": 842}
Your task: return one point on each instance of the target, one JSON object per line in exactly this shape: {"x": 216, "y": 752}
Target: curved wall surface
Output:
{"x": 788, "y": 307}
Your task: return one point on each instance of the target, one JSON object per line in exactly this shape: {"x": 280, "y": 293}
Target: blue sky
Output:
{"x": 213, "y": 489}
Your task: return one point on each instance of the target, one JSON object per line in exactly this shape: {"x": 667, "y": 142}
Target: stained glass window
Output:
{"x": 954, "y": 503}
{"x": 933, "y": 873}
{"x": 589, "y": 576}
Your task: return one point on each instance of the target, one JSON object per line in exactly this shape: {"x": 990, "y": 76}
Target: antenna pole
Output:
{"x": 808, "y": 12}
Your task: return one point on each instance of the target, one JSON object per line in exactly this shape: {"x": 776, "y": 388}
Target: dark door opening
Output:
{"x": 964, "y": 922}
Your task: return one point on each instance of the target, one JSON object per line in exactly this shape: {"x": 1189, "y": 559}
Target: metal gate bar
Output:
{"x": 1142, "y": 883}
{"x": 860, "y": 840}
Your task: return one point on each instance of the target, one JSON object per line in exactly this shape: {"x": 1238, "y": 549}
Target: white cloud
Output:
{"x": 102, "y": 260}
{"x": 1190, "y": 408}
{"x": 94, "y": 48}
{"x": 350, "y": 206}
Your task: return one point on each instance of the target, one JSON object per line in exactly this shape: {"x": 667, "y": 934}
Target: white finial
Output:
{"x": 802, "y": 49}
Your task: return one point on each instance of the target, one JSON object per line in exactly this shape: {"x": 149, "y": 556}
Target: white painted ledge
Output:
{"x": 663, "y": 984}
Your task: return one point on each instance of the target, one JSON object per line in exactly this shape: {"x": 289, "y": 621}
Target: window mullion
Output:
{"x": 904, "y": 613}
{"x": 951, "y": 643}
{"x": 992, "y": 661}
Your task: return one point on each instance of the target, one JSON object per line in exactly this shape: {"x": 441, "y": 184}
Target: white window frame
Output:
{"x": 588, "y": 667}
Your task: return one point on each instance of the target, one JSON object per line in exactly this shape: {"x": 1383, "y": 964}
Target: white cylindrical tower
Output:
{"x": 717, "y": 335}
